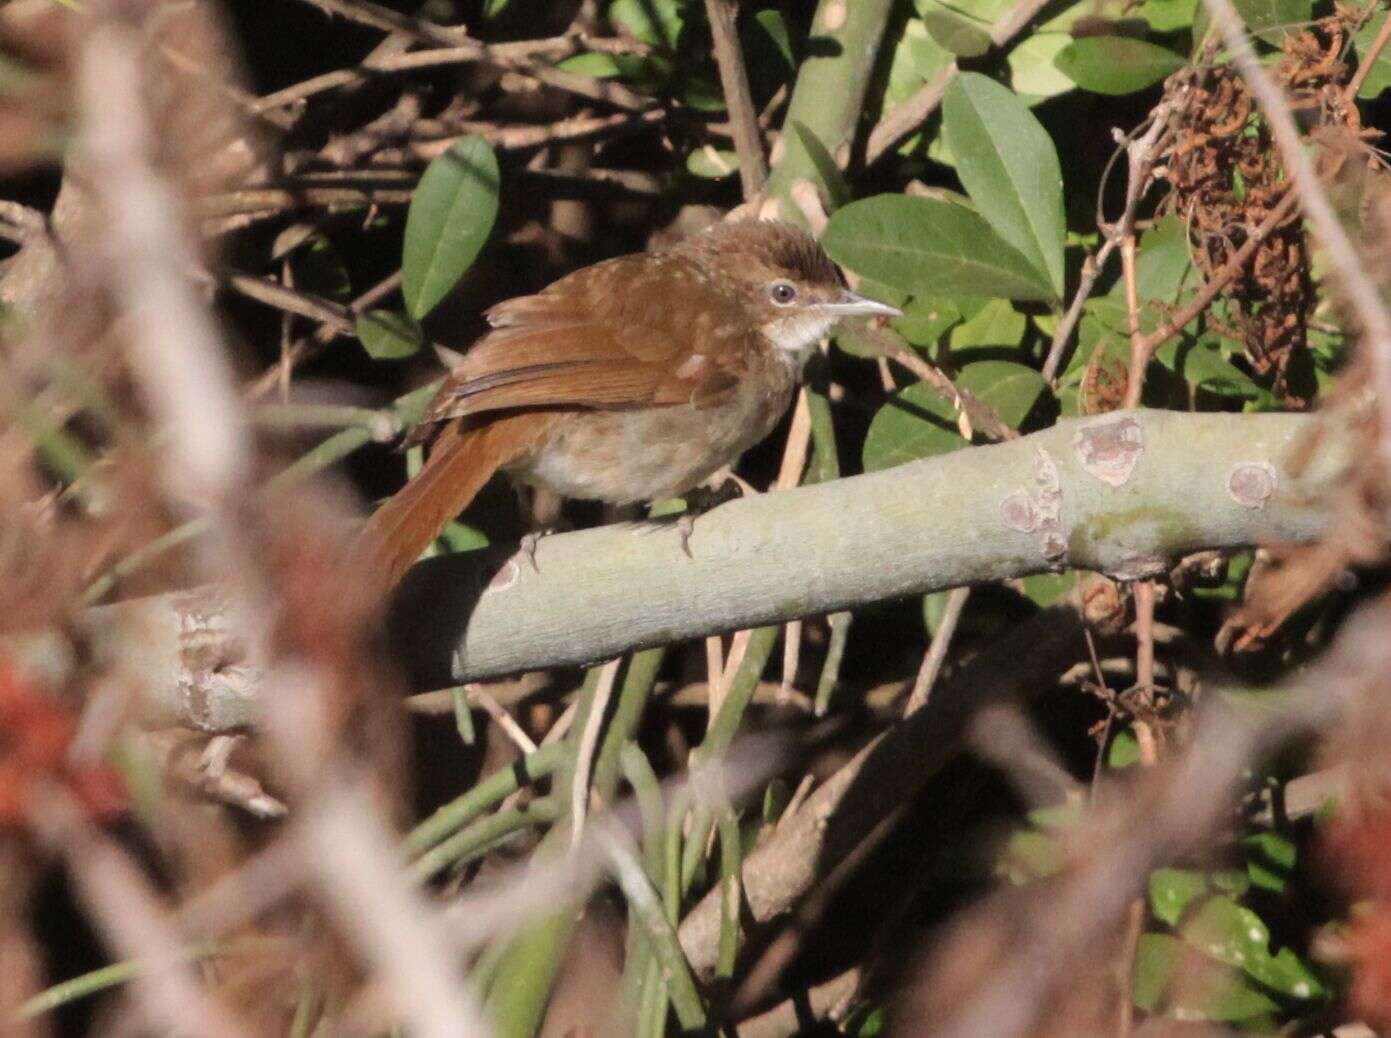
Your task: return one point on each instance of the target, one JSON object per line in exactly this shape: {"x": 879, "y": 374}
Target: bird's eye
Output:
{"x": 782, "y": 293}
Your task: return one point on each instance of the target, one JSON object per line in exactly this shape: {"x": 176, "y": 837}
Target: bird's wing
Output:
{"x": 630, "y": 332}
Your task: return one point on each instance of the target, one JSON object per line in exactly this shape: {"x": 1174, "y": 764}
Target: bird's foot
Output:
{"x": 531, "y": 540}
{"x": 700, "y": 500}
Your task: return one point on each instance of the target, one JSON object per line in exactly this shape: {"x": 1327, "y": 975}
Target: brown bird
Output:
{"x": 630, "y": 380}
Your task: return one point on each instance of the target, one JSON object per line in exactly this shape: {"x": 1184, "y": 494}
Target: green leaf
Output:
{"x": 712, "y": 164}
{"x": 1116, "y": 64}
{"x": 924, "y": 245}
{"x": 1156, "y": 957}
{"x": 1046, "y": 589}
{"x": 1379, "y": 78}
{"x": 1167, "y": 15}
{"x": 1204, "y": 991}
{"x": 926, "y": 319}
{"x": 935, "y": 610}
{"x": 954, "y": 32}
{"x": 387, "y": 335}
{"x": 1269, "y": 858}
{"x": 1124, "y": 750}
{"x": 462, "y": 537}
{"x": 315, "y": 265}
{"x": 917, "y": 423}
{"x": 1272, "y": 20}
{"x": 1238, "y": 937}
{"x": 450, "y": 217}
{"x": 1164, "y": 266}
{"x": 826, "y": 169}
{"x": 1032, "y": 73}
{"x": 1202, "y": 363}
{"x": 1009, "y": 166}
{"x": 774, "y": 27}
{"x": 1030, "y": 855}
{"x": 1171, "y": 891}
{"x": 996, "y": 326}
{"x": 655, "y": 22}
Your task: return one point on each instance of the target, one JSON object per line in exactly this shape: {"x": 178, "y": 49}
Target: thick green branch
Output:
{"x": 1123, "y": 494}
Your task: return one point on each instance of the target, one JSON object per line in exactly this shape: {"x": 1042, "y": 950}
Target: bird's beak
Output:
{"x": 851, "y": 305}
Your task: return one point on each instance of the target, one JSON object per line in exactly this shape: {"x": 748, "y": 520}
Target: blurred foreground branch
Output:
{"x": 1094, "y": 494}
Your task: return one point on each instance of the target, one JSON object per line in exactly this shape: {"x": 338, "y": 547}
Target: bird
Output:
{"x": 631, "y": 380}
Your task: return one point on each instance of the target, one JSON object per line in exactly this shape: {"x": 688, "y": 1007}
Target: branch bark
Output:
{"x": 1122, "y": 494}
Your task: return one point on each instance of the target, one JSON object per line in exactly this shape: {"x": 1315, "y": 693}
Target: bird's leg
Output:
{"x": 541, "y": 514}
{"x": 702, "y": 499}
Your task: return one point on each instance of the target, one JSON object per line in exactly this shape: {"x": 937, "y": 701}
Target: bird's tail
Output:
{"x": 460, "y": 462}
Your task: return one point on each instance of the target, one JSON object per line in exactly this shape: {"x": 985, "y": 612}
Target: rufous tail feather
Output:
{"x": 460, "y": 462}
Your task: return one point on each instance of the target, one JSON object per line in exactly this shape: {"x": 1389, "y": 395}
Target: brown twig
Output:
{"x": 302, "y": 349}
{"x": 518, "y": 138}
{"x": 336, "y": 316}
{"x": 977, "y": 417}
{"x": 513, "y": 57}
{"x": 734, "y": 78}
{"x": 937, "y": 651}
{"x": 1140, "y": 157}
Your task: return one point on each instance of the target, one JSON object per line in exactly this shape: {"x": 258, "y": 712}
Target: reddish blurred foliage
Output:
{"x": 35, "y": 733}
{"x": 1359, "y": 849}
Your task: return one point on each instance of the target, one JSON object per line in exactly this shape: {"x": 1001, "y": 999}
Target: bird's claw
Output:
{"x": 701, "y": 500}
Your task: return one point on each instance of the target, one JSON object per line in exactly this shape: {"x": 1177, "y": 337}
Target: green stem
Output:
{"x": 381, "y": 425}
{"x": 661, "y": 935}
{"x": 638, "y": 682}
{"x": 731, "y": 862}
{"x": 463, "y": 715}
{"x": 526, "y": 970}
{"x": 490, "y": 791}
{"x": 830, "y": 668}
{"x": 482, "y": 837}
{"x": 98, "y": 980}
{"x": 828, "y": 99}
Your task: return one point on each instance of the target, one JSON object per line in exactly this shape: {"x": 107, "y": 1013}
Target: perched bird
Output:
{"x": 630, "y": 380}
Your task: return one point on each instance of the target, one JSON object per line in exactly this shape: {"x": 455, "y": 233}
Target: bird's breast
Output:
{"x": 650, "y": 453}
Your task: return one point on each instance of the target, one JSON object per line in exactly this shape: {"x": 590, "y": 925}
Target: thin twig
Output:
{"x": 937, "y": 652}
{"x": 1368, "y": 60}
{"x": 332, "y": 315}
{"x": 478, "y": 695}
{"x": 589, "y": 743}
{"x": 1140, "y": 158}
{"x": 456, "y": 46}
{"x": 734, "y": 78}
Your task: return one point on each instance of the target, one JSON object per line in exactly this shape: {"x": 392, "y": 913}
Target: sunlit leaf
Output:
{"x": 387, "y": 335}
{"x": 1171, "y": 891}
{"x": 449, "y": 220}
{"x": 1032, "y": 73}
{"x": 1010, "y": 169}
{"x": 930, "y": 246}
{"x": 1116, "y": 64}
{"x": 917, "y": 423}
{"x": 1239, "y": 937}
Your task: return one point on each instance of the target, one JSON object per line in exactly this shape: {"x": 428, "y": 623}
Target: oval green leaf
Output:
{"x": 930, "y": 246}
{"x": 1010, "y": 168}
{"x": 953, "y": 31}
{"x": 450, "y": 217}
{"x": 1116, "y": 64}
{"x": 917, "y": 423}
{"x": 387, "y": 335}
